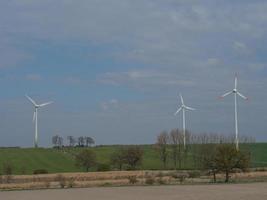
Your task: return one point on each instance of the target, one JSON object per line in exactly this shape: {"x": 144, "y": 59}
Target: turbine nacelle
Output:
{"x": 183, "y": 106}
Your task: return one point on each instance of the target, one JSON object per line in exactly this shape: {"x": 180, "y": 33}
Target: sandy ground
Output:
{"x": 255, "y": 191}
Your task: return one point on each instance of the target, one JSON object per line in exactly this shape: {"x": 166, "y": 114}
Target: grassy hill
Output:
{"x": 26, "y": 160}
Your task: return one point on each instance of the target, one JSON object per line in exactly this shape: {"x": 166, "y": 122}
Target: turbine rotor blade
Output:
{"x": 235, "y": 81}
{"x": 182, "y": 100}
{"x": 31, "y": 100}
{"x": 45, "y": 104}
{"x": 241, "y": 95}
{"x": 178, "y": 111}
{"x": 189, "y": 108}
{"x": 226, "y": 94}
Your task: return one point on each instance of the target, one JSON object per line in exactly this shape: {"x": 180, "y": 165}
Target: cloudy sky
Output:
{"x": 114, "y": 68}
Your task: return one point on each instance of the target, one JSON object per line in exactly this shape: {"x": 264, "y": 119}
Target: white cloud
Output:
{"x": 34, "y": 77}
{"x": 108, "y": 105}
{"x": 143, "y": 79}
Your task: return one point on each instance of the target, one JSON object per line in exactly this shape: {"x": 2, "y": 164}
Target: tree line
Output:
{"x": 82, "y": 141}
{"x": 213, "y": 152}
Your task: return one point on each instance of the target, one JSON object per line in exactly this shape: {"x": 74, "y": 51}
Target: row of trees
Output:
{"x": 129, "y": 157}
{"x": 214, "y": 152}
{"x": 82, "y": 141}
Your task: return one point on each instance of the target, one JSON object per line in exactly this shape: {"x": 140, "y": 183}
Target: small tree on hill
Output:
{"x": 118, "y": 158}
{"x": 89, "y": 141}
{"x": 86, "y": 159}
{"x": 57, "y": 141}
{"x": 81, "y": 141}
{"x": 133, "y": 156}
{"x": 72, "y": 141}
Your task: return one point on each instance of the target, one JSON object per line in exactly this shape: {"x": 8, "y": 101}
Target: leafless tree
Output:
{"x": 89, "y": 141}
{"x": 71, "y": 140}
{"x": 176, "y": 141}
{"x": 57, "y": 141}
{"x": 81, "y": 141}
{"x": 162, "y": 147}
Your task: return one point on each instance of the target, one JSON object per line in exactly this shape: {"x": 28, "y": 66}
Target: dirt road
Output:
{"x": 254, "y": 191}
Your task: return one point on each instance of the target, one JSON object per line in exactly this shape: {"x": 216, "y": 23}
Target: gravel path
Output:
{"x": 254, "y": 191}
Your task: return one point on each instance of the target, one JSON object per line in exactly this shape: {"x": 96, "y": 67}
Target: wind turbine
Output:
{"x": 235, "y": 92}
{"x": 183, "y": 108}
{"x": 35, "y": 115}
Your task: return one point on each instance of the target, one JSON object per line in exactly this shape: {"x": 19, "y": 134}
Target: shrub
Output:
{"x": 40, "y": 171}
{"x": 180, "y": 176}
{"x": 7, "y": 168}
{"x": 61, "y": 180}
{"x": 150, "y": 180}
{"x": 71, "y": 182}
{"x": 103, "y": 167}
{"x": 193, "y": 174}
{"x": 47, "y": 183}
{"x": 132, "y": 179}
{"x": 161, "y": 181}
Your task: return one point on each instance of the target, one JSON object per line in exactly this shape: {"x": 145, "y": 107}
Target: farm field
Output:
{"x": 26, "y": 160}
{"x": 255, "y": 191}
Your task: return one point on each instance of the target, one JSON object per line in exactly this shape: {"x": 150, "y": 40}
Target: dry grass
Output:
{"x": 113, "y": 178}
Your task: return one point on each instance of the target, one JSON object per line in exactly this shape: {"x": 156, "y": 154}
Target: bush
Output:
{"x": 180, "y": 176}
{"x": 7, "y": 168}
{"x": 47, "y": 184}
{"x": 71, "y": 182}
{"x": 132, "y": 179}
{"x": 103, "y": 167}
{"x": 193, "y": 174}
{"x": 161, "y": 181}
{"x": 7, "y": 172}
{"x": 40, "y": 171}
{"x": 61, "y": 180}
{"x": 150, "y": 180}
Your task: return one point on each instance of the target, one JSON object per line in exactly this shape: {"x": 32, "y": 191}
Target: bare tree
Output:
{"x": 54, "y": 140}
{"x": 89, "y": 141}
{"x": 176, "y": 141}
{"x": 71, "y": 140}
{"x": 57, "y": 141}
{"x": 162, "y": 147}
{"x": 81, "y": 141}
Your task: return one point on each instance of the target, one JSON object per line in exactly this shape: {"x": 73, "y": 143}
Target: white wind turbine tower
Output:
{"x": 35, "y": 119}
{"x": 183, "y": 108}
{"x": 235, "y": 92}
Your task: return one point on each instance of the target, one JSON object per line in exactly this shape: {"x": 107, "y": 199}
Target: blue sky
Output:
{"x": 115, "y": 68}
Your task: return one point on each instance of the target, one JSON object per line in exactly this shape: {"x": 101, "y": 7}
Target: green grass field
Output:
{"x": 26, "y": 160}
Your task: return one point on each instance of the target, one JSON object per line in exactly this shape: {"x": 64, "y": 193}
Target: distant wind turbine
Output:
{"x": 35, "y": 119}
{"x": 235, "y": 92}
{"x": 183, "y": 108}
